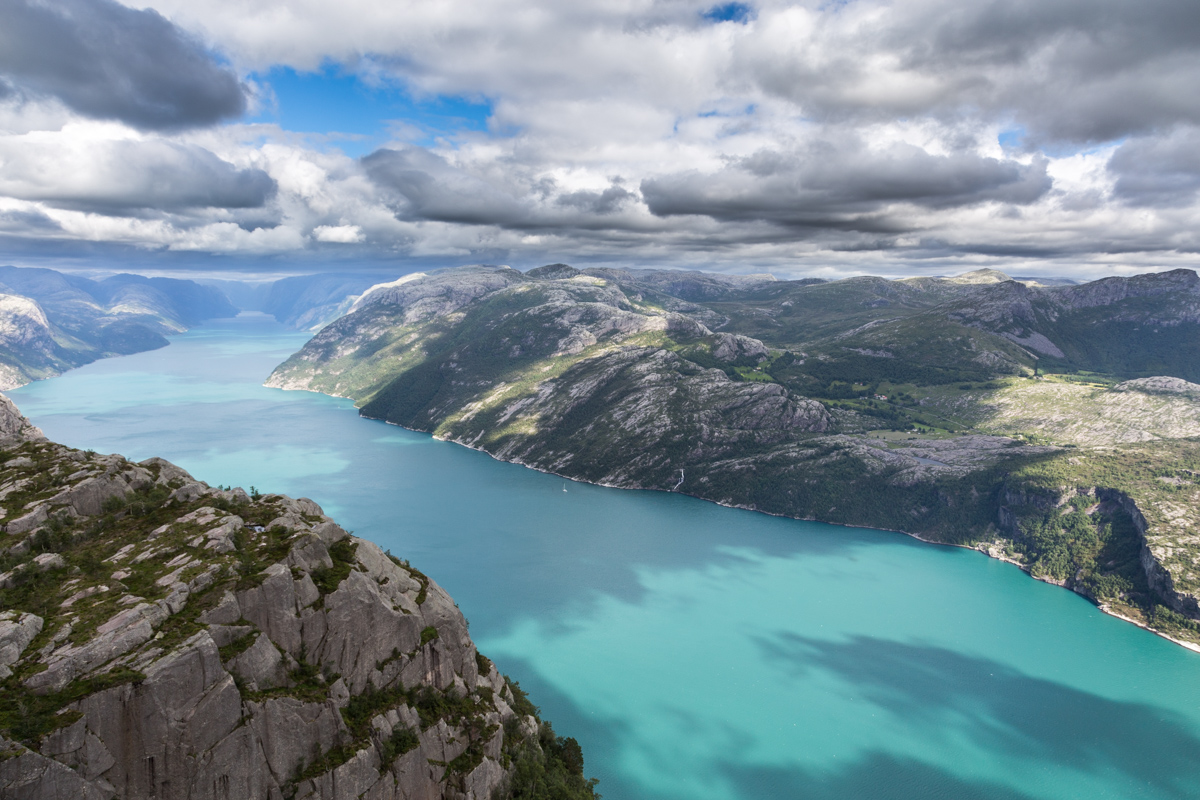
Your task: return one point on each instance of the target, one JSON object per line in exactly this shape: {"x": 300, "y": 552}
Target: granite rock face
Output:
{"x": 187, "y": 642}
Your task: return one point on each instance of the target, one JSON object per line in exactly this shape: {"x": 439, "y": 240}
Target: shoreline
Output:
{"x": 1100, "y": 606}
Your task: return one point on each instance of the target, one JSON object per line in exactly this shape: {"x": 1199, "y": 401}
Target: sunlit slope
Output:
{"x": 910, "y": 405}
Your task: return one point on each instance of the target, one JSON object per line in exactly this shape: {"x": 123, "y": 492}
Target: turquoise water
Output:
{"x": 695, "y": 651}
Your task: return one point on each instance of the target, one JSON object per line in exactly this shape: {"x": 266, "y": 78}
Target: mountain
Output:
{"x": 308, "y": 302}
{"x": 910, "y": 405}
{"x": 160, "y": 638}
{"x": 51, "y": 322}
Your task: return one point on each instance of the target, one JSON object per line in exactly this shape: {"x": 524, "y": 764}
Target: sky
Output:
{"x": 824, "y": 138}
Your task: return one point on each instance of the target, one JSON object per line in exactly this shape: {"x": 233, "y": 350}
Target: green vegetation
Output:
{"x": 551, "y": 768}
{"x": 237, "y": 646}
{"x": 26, "y": 717}
{"x": 521, "y": 702}
{"x": 402, "y": 740}
{"x": 327, "y": 579}
{"x": 1095, "y": 549}
{"x": 306, "y": 682}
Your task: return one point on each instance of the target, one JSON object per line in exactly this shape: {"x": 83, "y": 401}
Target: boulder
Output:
{"x": 17, "y": 630}
{"x": 260, "y": 666}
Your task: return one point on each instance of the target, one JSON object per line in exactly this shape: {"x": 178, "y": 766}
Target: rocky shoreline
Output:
{"x": 989, "y": 549}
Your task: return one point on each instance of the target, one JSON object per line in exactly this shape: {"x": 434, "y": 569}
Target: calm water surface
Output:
{"x": 696, "y": 652}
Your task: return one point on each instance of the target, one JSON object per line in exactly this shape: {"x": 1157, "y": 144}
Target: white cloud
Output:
{"x": 341, "y": 234}
{"x": 815, "y": 138}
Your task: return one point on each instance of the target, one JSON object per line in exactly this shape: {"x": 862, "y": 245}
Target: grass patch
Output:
{"x": 327, "y": 579}
{"x": 27, "y": 717}
{"x": 238, "y": 646}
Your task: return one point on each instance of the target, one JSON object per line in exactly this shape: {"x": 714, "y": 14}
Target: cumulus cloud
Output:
{"x": 791, "y": 135}
{"x": 25, "y": 220}
{"x": 107, "y": 61}
{"x": 1158, "y": 171}
{"x": 122, "y": 175}
{"x": 828, "y": 183}
{"x": 418, "y": 184}
{"x": 598, "y": 202}
{"x": 1067, "y": 70}
{"x": 340, "y": 234}
{"x": 424, "y": 185}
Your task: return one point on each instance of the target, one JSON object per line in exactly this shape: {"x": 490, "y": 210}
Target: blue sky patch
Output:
{"x": 361, "y": 116}
{"x": 1013, "y": 137}
{"x": 731, "y": 12}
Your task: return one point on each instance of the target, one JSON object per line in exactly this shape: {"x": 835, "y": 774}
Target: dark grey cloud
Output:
{"x": 107, "y": 61}
{"x": 423, "y": 185}
{"x": 1158, "y": 171}
{"x": 843, "y": 185}
{"x": 1065, "y": 70}
{"x": 605, "y": 202}
{"x": 27, "y": 221}
{"x": 115, "y": 177}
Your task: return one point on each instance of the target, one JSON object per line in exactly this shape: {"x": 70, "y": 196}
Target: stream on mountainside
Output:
{"x": 696, "y": 652}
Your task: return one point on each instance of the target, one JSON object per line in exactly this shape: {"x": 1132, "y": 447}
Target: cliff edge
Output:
{"x": 160, "y": 638}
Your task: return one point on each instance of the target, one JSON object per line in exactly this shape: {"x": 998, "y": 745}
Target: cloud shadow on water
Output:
{"x": 875, "y": 775}
{"x": 1002, "y": 710}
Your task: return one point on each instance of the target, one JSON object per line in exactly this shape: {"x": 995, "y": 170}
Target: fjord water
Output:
{"x": 696, "y": 652}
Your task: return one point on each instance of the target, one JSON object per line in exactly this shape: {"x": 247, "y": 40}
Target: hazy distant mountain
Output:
{"x": 308, "y": 302}
{"x": 51, "y": 322}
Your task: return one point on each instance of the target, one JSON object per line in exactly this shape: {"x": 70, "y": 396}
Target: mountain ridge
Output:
{"x": 850, "y": 413}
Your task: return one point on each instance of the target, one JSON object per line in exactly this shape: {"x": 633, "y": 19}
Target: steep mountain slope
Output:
{"x": 601, "y": 375}
{"x": 1133, "y": 327}
{"x": 50, "y": 322}
{"x": 163, "y": 639}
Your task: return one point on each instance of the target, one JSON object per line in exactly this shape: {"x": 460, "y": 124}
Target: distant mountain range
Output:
{"x": 51, "y": 322}
{"x": 1053, "y": 424}
{"x": 1048, "y": 423}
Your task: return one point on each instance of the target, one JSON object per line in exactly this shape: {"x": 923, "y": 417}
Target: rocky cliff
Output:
{"x": 160, "y": 638}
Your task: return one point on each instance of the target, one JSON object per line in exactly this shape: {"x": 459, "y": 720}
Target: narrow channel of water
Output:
{"x": 697, "y": 652}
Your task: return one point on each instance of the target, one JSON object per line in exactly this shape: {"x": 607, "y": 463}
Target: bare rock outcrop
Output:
{"x": 734, "y": 347}
{"x": 209, "y": 645}
{"x": 1160, "y": 384}
{"x": 13, "y": 425}
{"x": 17, "y": 630}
